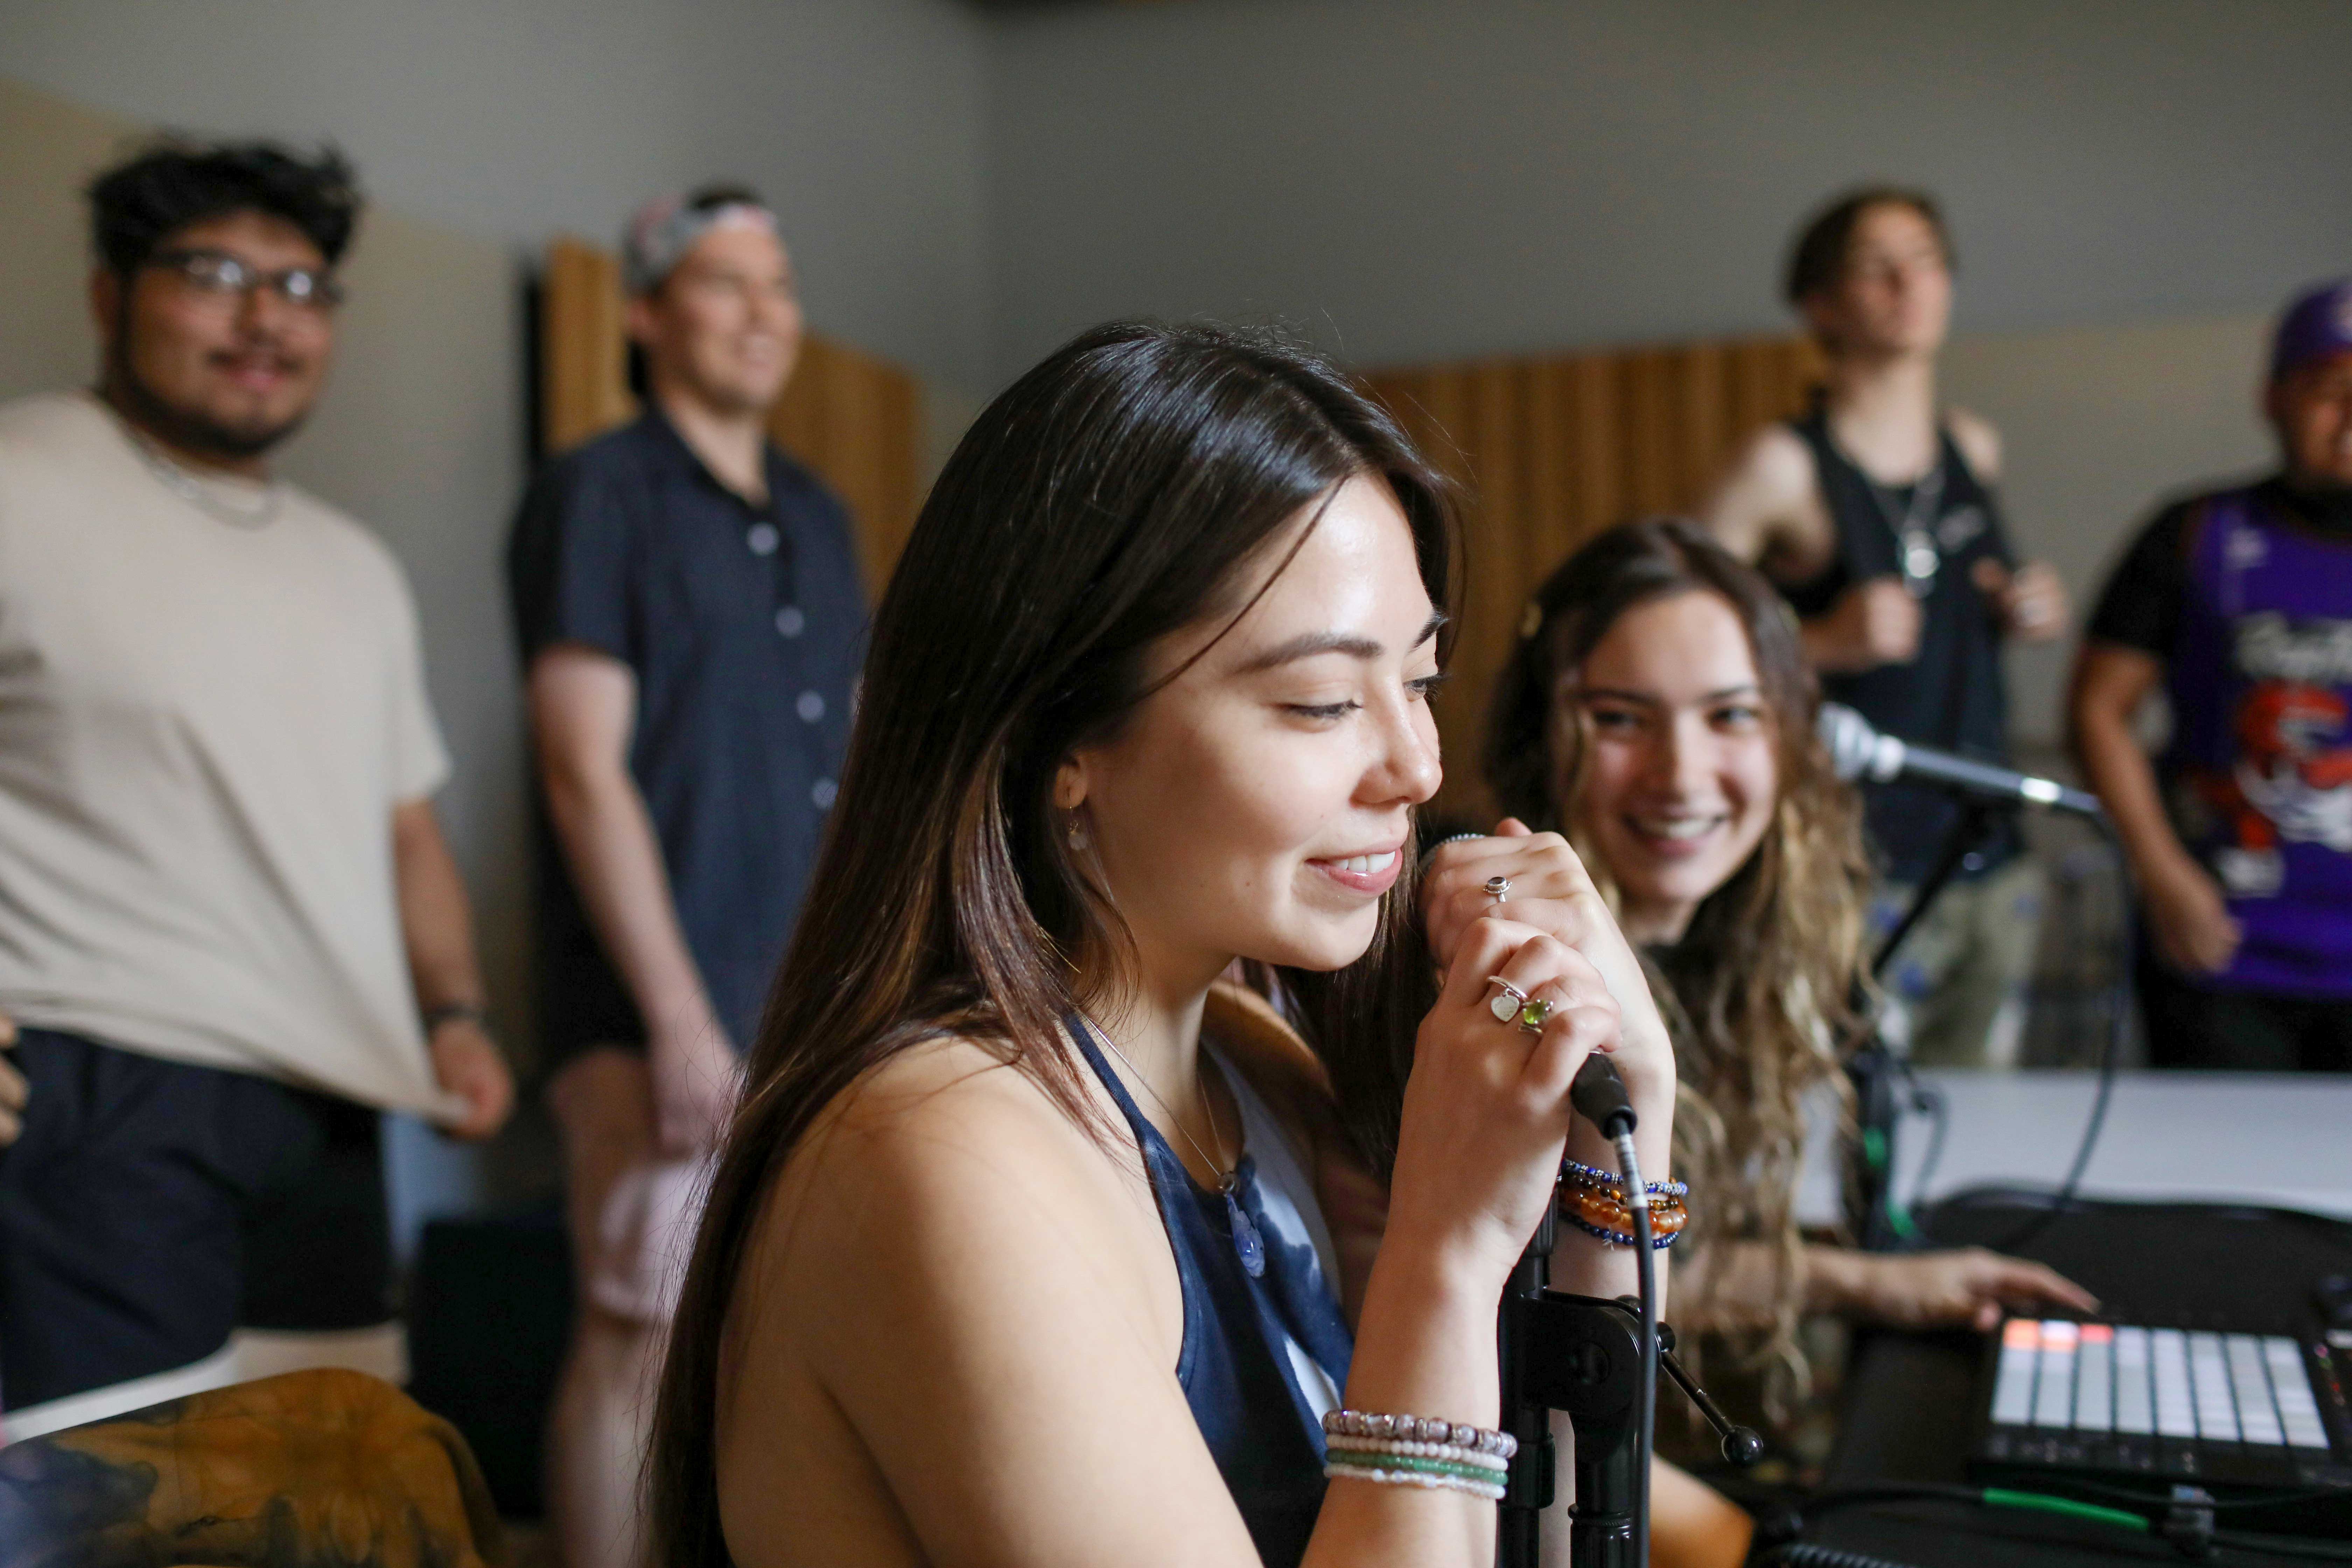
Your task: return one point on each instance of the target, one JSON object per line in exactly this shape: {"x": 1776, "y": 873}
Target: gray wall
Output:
{"x": 513, "y": 120}
{"x": 1424, "y": 179}
{"x": 2100, "y": 423}
{"x": 2135, "y": 185}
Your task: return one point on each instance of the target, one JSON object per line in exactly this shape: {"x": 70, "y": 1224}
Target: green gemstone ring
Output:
{"x": 1533, "y": 1015}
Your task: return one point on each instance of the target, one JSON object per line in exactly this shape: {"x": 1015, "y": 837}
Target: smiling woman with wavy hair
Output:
{"x": 1658, "y": 713}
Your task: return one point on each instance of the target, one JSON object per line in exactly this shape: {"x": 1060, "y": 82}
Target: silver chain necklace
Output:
{"x": 1248, "y": 1243}
{"x": 1916, "y": 551}
{"x": 1914, "y": 531}
{"x": 193, "y": 490}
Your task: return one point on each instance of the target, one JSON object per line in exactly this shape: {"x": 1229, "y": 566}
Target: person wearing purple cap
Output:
{"x": 691, "y": 622}
{"x": 2237, "y": 603}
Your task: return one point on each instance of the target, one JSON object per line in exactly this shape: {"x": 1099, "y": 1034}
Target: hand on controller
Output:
{"x": 1966, "y": 1287}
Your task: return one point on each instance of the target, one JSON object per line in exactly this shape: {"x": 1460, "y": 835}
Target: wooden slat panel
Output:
{"x": 854, "y": 419}
{"x": 1552, "y": 451}
{"x": 1496, "y": 530}
{"x": 1755, "y": 386}
{"x": 582, "y": 389}
{"x": 1696, "y": 437}
{"x": 1648, "y": 377}
{"x": 1595, "y": 437}
{"x": 1551, "y": 497}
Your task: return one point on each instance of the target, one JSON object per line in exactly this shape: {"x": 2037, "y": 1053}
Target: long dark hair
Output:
{"x": 1117, "y": 493}
{"x": 1762, "y": 994}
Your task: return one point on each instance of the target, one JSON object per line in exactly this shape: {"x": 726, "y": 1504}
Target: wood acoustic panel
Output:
{"x": 1551, "y": 451}
{"x": 854, "y": 419}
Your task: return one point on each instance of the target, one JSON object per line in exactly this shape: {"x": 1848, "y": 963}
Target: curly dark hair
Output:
{"x": 135, "y": 205}
{"x": 1818, "y": 258}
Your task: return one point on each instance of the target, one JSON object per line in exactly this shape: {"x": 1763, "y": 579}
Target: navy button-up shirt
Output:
{"x": 744, "y": 626}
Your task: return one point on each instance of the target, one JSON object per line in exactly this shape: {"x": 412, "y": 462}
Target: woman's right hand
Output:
{"x": 1551, "y": 890}
{"x": 1486, "y": 1113}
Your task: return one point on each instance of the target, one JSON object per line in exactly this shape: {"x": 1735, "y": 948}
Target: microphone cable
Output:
{"x": 2110, "y": 1057}
{"x": 1645, "y": 1273}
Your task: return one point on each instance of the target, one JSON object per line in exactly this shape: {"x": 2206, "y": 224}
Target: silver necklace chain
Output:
{"x": 1914, "y": 540}
{"x": 1225, "y": 1178}
{"x": 193, "y": 490}
{"x": 1917, "y": 555}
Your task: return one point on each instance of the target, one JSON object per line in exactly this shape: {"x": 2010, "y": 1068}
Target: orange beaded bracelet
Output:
{"x": 1595, "y": 1202}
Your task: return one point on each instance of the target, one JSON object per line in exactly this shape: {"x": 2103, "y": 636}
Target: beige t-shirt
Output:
{"x": 205, "y": 725}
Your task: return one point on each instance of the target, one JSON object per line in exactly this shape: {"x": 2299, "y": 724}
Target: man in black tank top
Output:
{"x": 1875, "y": 515}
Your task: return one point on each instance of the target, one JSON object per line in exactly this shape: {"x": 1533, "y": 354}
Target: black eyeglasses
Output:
{"x": 219, "y": 276}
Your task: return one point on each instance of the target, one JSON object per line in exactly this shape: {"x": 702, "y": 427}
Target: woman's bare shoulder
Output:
{"x": 946, "y": 1131}
{"x": 956, "y": 1291}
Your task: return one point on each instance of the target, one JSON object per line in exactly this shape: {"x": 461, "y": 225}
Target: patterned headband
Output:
{"x": 663, "y": 231}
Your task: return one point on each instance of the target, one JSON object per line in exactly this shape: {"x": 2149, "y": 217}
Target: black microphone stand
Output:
{"x": 1877, "y": 1071}
{"x": 1584, "y": 1356}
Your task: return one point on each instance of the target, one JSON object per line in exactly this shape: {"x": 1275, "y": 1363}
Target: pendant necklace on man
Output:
{"x": 1248, "y": 1244}
{"x": 1915, "y": 537}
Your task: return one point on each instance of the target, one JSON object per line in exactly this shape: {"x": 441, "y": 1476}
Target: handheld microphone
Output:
{"x": 1857, "y": 750}
{"x": 1598, "y": 1096}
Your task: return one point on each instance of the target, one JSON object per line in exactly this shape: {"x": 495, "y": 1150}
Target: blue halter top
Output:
{"x": 1263, "y": 1353}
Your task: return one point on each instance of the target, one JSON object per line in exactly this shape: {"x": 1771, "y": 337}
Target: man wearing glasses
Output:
{"x": 230, "y": 932}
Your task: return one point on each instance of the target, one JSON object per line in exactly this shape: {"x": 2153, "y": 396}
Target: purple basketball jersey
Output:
{"x": 2258, "y": 771}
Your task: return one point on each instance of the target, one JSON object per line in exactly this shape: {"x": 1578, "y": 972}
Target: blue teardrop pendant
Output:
{"x": 1248, "y": 1243}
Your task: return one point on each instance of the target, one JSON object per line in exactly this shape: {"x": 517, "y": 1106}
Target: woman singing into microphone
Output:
{"x": 1011, "y": 1257}
{"x": 1657, "y": 713}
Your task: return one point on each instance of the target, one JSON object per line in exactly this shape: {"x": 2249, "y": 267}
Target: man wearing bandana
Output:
{"x": 2237, "y": 603}
{"x": 691, "y": 620}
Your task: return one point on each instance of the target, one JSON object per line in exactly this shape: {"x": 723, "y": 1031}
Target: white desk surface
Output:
{"x": 2279, "y": 1139}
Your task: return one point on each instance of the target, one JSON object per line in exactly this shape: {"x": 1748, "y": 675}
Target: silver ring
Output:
{"x": 1500, "y": 889}
{"x": 1533, "y": 1015}
{"x": 1507, "y": 1007}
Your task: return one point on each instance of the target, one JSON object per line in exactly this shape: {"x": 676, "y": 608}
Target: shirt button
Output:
{"x": 823, "y": 793}
{"x": 764, "y": 539}
{"x": 810, "y": 706}
{"x": 790, "y": 622}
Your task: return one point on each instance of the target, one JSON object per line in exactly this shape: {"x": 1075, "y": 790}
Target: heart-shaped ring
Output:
{"x": 1507, "y": 1007}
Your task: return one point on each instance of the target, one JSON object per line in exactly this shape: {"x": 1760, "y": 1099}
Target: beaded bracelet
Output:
{"x": 1346, "y": 1424}
{"x": 1490, "y": 1490}
{"x": 1595, "y": 1202}
{"x": 1421, "y": 1464}
{"x": 1447, "y": 1452}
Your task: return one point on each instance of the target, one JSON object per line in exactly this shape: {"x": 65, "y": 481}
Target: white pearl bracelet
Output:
{"x": 1342, "y": 1444}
